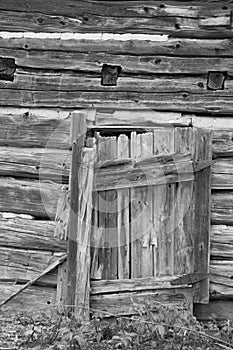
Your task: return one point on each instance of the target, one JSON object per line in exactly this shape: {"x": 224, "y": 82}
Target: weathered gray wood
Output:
{"x": 171, "y": 46}
{"x": 35, "y": 163}
{"x": 31, "y": 80}
{"x": 31, "y": 234}
{"x": 75, "y": 225}
{"x": 222, "y": 207}
{"x": 146, "y": 118}
{"x": 223, "y": 141}
{"x": 202, "y": 191}
{"x": 176, "y": 19}
{"x": 133, "y": 285}
{"x": 23, "y": 127}
{"x": 152, "y": 171}
{"x": 210, "y": 101}
{"x": 222, "y": 174}
{"x": 21, "y": 265}
{"x": 130, "y": 64}
{"x": 121, "y": 303}
{"x": 33, "y": 298}
{"x": 32, "y": 197}
{"x": 50, "y": 268}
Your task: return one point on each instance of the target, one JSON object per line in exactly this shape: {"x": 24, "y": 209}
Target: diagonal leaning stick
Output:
{"x": 28, "y": 284}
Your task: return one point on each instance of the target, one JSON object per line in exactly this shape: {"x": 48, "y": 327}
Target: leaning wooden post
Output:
{"x": 78, "y": 140}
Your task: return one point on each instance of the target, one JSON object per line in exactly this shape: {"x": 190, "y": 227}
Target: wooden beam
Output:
{"x": 201, "y": 19}
{"x": 33, "y": 234}
{"x": 169, "y": 47}
{"x": 78, "y": 138}
{"x": 222, "y": 207}
{"x": 38, "y": 199}
{"x": 35, "y": 163}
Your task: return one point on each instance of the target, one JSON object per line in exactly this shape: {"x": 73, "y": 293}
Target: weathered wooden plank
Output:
{"x": 33, "y": 298}
{"x": 33, "y": 234}
{"x": 218, "y": 102}
{"x": 223, "y": 141}
{"x": 202, "y": 192}
{"x": 121, "y": 303}
{"x": 23, "y": 127}
{"x": 171, "y": 46}
{"x": 44, "y": 80}
{"x": 93, "y": 63}
{"x": 32, "y": 197}
{"x": 123, "y": 212}
{"x": 184, "y": 211}
{"x": 78, "y": 138}
{"x": 20, "y": 265}
{"x": 222, "y": 174}
{"x": 153, "y": 171}
{"x": 133, "y": 285}
{"x": 163, "y": 209}
{"x": 85, "y": 183}
{"x": 138, "y": 205}
{"x": 222, "y": 207}
{"x": 35, "y": 163}
{"x": 178, "y": 19}
{"x": 147, "y": 118}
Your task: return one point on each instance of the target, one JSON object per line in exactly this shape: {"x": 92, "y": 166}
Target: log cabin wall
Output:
{"x": 172, "y": 57}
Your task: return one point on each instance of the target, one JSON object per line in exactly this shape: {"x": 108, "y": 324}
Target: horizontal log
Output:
{"x": 222, "y": 207}
{"x": 149, "y": 118}
{"x": 82, "y": 81}
{"x": 93, "y": 62}
{"x": 223, "y": 141}
{"x": 33, "y": 298}
{"x": 23, "y": 127}
{"x": 133, "y": 285}
{"x": 169, "y": 47}
{"x": 217, "y": 309}
{"x": 122, "y": 304}
{"x": 35, "y": 163}
{"x": 222, "y": 174}
{"x": 140, "y": 17}
{"x": 34, "y": 234}
{"x": 36, "y": 198}
{"x": 208, "y": 102}
{"x": 21, "y": 266}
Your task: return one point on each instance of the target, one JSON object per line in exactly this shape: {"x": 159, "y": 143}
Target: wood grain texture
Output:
{"x": 222, "y": 174}
{"x": 21, "y": 265}
{"x": 218, "y": 102}
{"x": 121, "y": 303}
{"x": 33, "y": 298}
{"x": 222, "y": 207}
{"x": 171, "y": 47}
{"x": 29, "y": 234}
{"x": 38, "y": 199}
{"x": 201, "y": 19}
{"x": 78, "y": 136}
{"x": 35, "y": 163}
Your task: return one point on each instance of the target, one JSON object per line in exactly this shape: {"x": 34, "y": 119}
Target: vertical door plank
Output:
{"x": 163, "y": 210}
{"x": 146, "y": 219}
{"x": 185, "y": 209}
{"x": 136, "y": 210}
{"x": 203, "y": 152}
{"x": 123, "y": 215}
{"x": 82, "y": 290}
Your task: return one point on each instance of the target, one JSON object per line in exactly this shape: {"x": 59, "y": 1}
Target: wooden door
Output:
{"x": 150, "y": 223}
